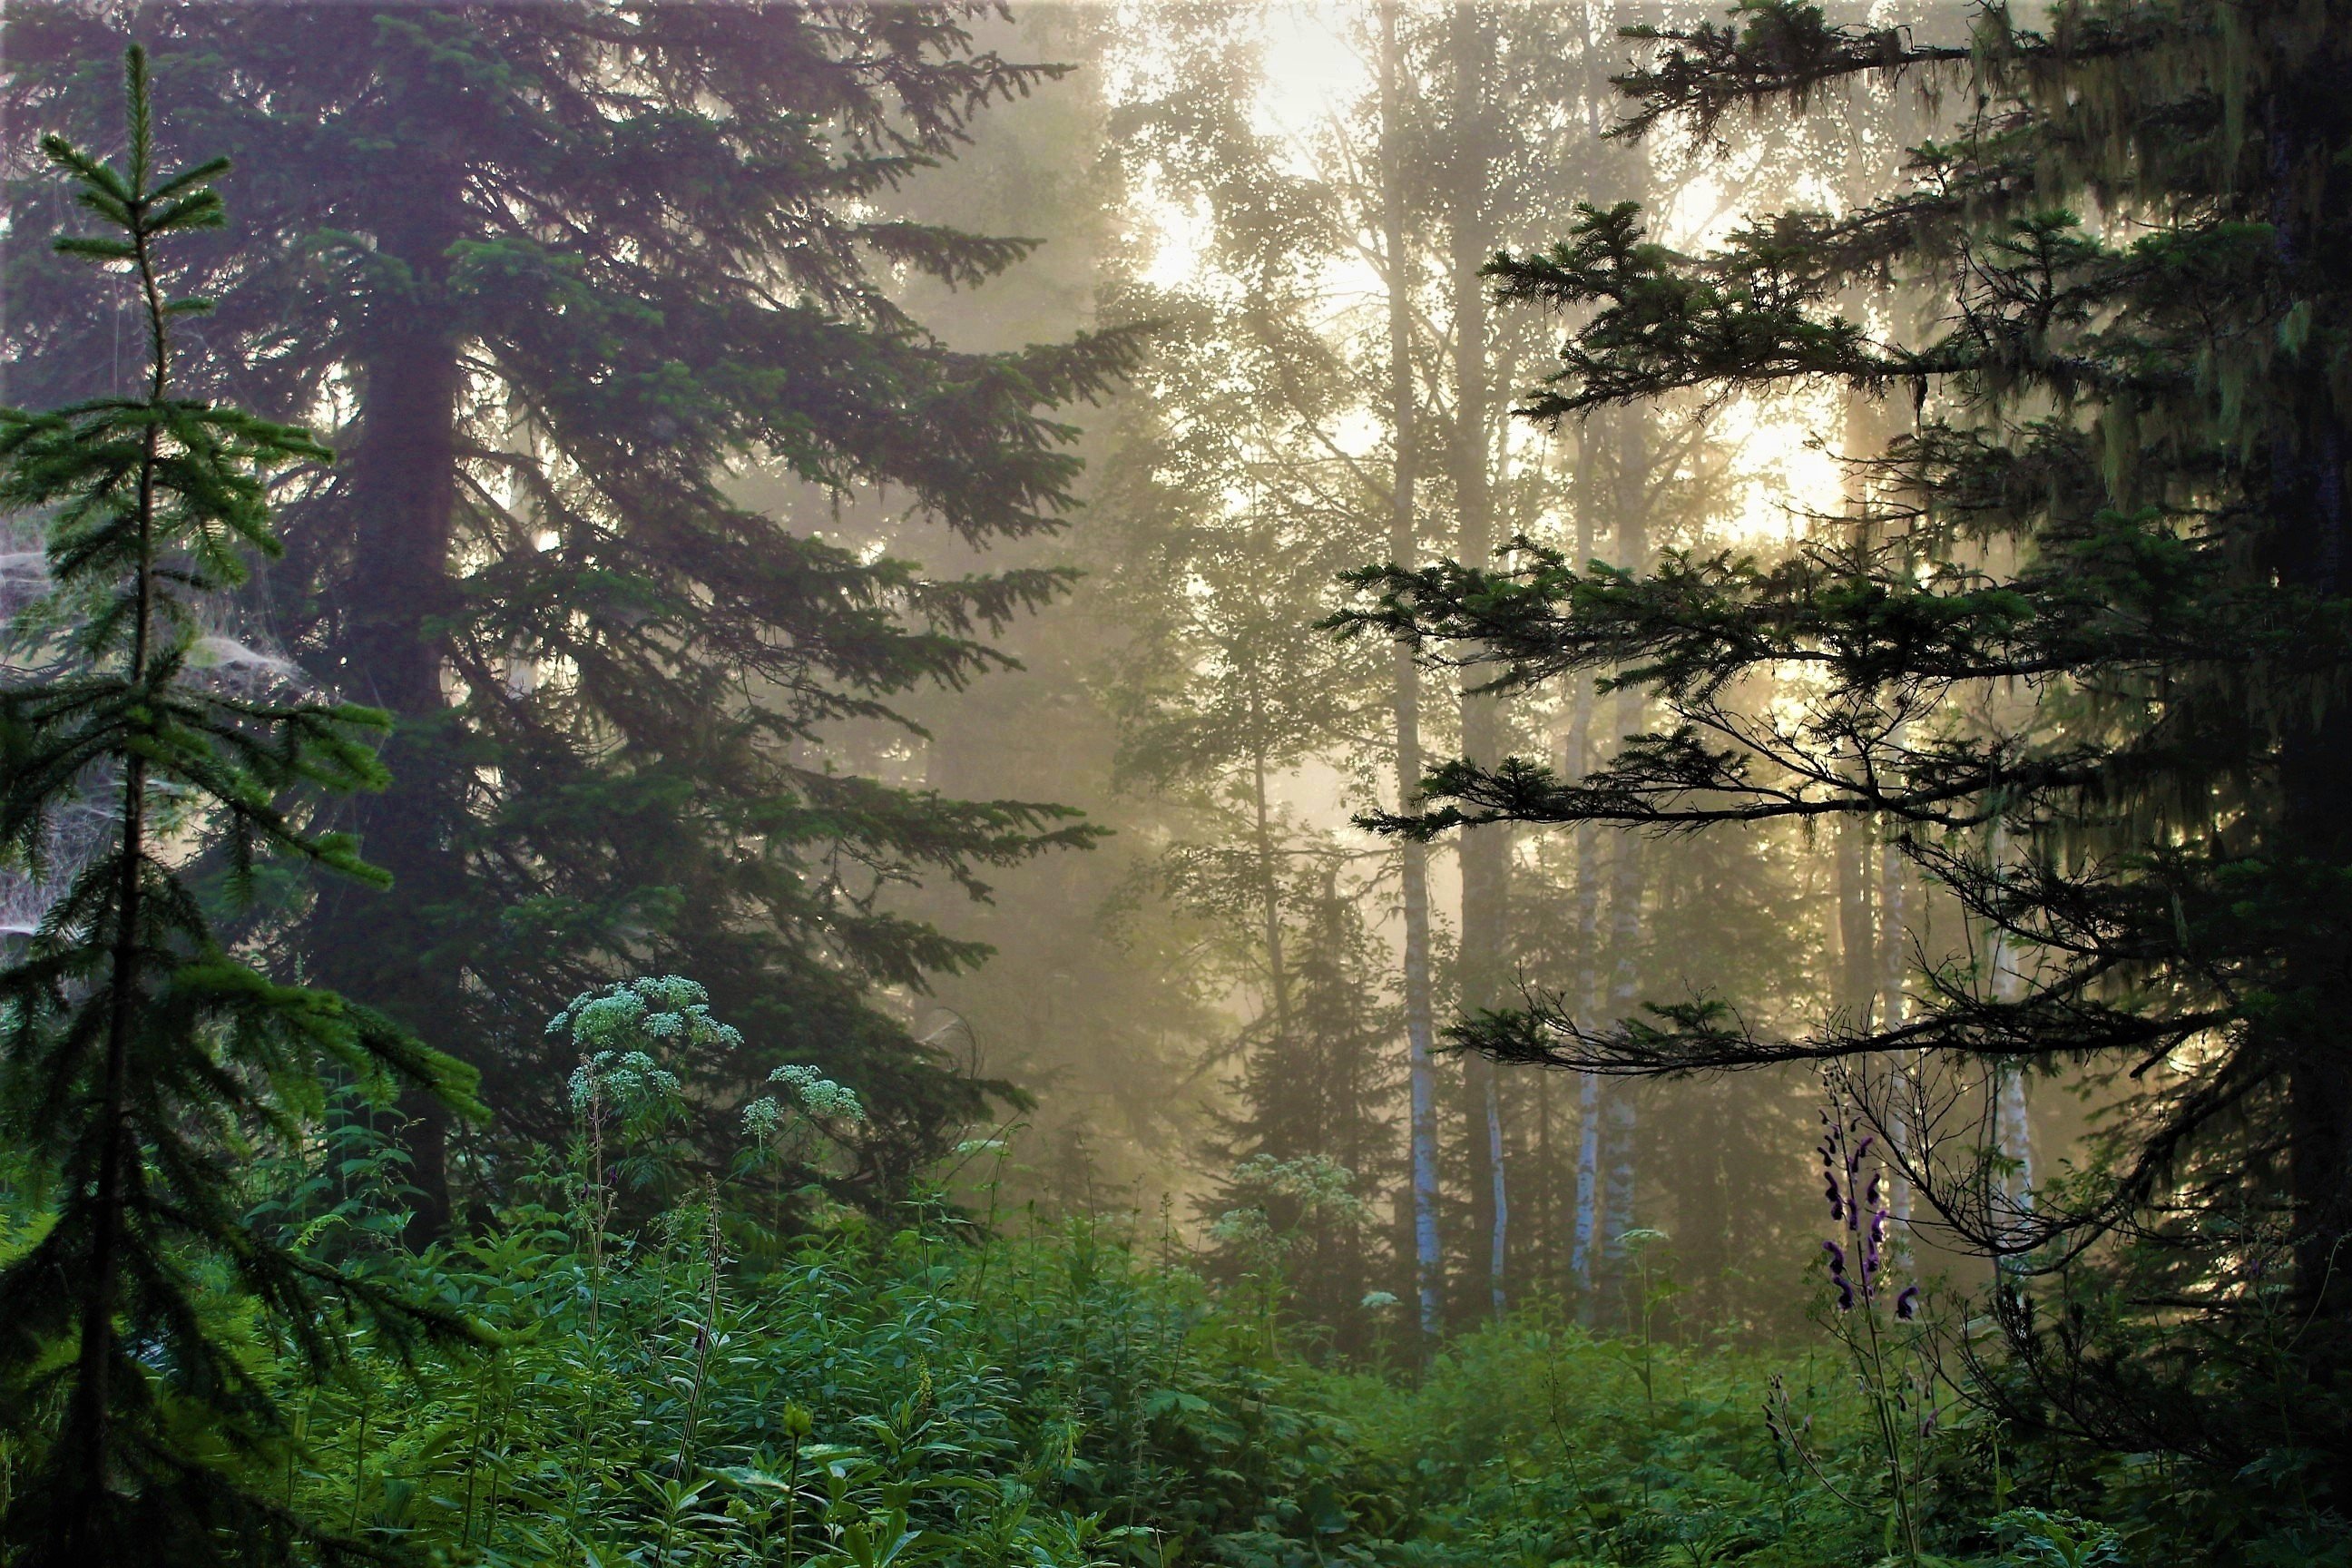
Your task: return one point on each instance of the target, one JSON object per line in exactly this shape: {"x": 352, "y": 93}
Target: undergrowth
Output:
{"x": 663, "y": 1381}
{"x": 658, "y": 1378}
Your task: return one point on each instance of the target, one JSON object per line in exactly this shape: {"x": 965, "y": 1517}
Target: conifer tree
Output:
{"x": 145, "y": 1060}
{"x": 2099, "y": 603}
{"x": 563, "y": 277}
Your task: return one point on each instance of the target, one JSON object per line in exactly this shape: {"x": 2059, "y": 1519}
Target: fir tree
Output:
{"x": 146, "y": 1060}
{"x": 2099, "y": 602}
{"x": 562, "y": 276}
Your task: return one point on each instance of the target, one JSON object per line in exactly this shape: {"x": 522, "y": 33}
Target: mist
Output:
{"x": 817, "y": 782}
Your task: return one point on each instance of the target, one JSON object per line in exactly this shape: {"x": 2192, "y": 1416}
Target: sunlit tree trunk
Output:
{"x": 1578, "y": 760}
{"x": 2012, "y": 1133}
{"x": 1865, "y": 438}
{"x": 1628, "y": 884}
{"x": 1485, "y": 851}
{"x": 1414, "y": 867}
{"x": 1894, "y": 958}
{"x": 1857, "y": 931}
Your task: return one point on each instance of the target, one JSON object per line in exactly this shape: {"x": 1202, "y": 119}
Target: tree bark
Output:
{"x": 1429, "y": 1282}
{"x": 2012, "y": 1129}
{"x": 1629, "y": 872}
{"x": 1485, "y": 851}
{"x": 399, "y": 490}
{"x": 1590, "y": 502}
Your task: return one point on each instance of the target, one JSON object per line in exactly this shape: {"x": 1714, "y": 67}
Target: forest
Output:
{"x": 1224, "y": 783}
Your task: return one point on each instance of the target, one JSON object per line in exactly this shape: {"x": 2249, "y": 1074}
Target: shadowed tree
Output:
{"x": 554, "y": 274}
{"x": 143, "y": 1061}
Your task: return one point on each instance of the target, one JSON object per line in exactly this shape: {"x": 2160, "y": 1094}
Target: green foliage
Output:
{"x": 2080, "y": 642}
{"x": 859, "y": 1396}
{"x": 564, "y": 277}
{"x": 144, "y": 1059}
{"x": 677, "y": 1387}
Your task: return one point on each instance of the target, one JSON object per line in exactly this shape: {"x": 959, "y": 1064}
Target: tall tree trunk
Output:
{"x": 1341, "y": 1068}
{"x": 2315, "y": 827}
{"x": 2012, "y": 1130}
{"x": 1590, "y": 501}
{"x": 1628, "y": 879}
{"x": 1861, "y": 967}
{"x": 1485, "y": 851}
{"x": 1857, "y": 924}
{"x": 1865, "y": 438}
{"x": 400, "y": 490}
{"x": 1429, "y": 1282}
{"x": 1542, "y": 1194}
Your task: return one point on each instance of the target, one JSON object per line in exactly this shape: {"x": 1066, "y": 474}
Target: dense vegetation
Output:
{"x": 503, "y": 1125}
{"x": 672, "y": 1382}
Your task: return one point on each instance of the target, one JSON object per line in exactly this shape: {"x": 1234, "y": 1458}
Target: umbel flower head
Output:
{"x": 817, "y": 1097}
{"x": 625, "y": 1031}
{"x": 635, "y": 1014}
{"x": 621, "y": 1078}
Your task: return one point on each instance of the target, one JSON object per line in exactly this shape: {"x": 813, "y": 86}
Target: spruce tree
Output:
{"x": 2098, "y": 604}
{"x": 145, "y": 1060}
{"x": 575, "y": 283}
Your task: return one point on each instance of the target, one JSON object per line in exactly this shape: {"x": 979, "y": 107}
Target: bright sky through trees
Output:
{"x": 1316, "y": 74}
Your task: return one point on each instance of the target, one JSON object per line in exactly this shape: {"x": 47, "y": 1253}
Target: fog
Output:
{"x": 1401, "y": 783}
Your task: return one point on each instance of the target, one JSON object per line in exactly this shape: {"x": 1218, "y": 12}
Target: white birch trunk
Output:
{"x": 1429, "y": 1284}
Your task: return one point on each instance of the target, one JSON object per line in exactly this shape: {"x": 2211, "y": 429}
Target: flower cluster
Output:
{"x": 1315, "y": 1187}
{"x": 627, "y": 1080}
{"x": 817, "y": 1096}
{"x": 1861, "y": 1208}
{"x": 1242, "y": 1227}
{"x": 670, "y": 1009}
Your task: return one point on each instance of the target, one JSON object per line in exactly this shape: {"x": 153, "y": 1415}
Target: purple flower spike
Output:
{"x": 1837, "y": 1260}
{"x": 1846, "y": 1295}
{"x": 1878, "y": 1185}
{"x": 1906, "y": 1305}
{"x": 1878, "y": 1227}
{"x": 1862, "y": 1149}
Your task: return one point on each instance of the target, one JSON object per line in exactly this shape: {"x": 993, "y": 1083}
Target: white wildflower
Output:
{"x": 819, "y": 1095}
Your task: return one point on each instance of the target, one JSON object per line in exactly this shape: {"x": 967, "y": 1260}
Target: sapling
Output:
{"x": 144, "y": 1063}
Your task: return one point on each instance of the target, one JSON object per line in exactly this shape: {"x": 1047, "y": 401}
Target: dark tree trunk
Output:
{"x": 399, "y": 497}
{"x": 2317, "y": 828}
